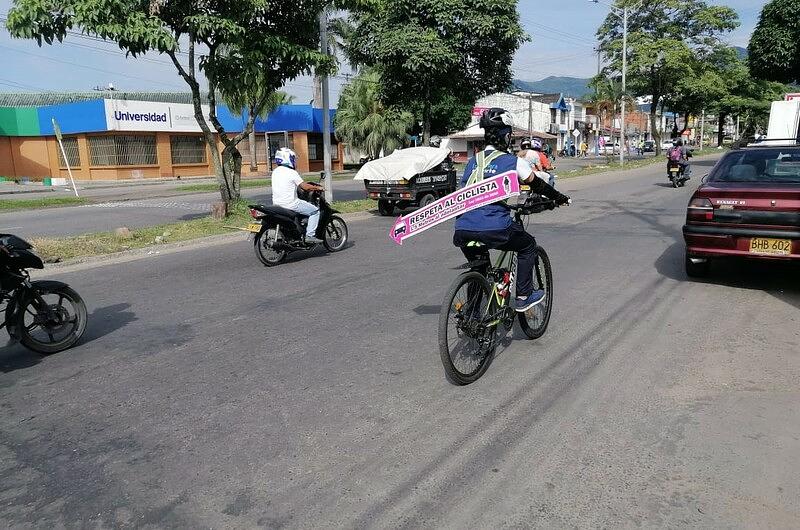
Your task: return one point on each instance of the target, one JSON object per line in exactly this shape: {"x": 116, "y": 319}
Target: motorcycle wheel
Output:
{"x": 674, "y": 182}
{"x": 264, "y": 251}
{"x": 335, "y": 234}
{"x": 58, "y": 331}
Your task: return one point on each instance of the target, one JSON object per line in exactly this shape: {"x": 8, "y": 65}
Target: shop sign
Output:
{"x": 123, "y": 115}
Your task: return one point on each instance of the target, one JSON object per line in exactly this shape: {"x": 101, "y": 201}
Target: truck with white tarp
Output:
{"x": 409, "y": 177}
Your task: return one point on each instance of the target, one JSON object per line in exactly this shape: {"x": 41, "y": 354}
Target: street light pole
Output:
{"x": 622, "y": 134}
{"x": 326, "y": 113}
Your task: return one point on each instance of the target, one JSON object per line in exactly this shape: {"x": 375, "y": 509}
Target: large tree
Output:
{"x": 428, "y": 50}
{"x": 665, "y": 37}
{"x": 245, "y": 50}
{"x": 364, "y": 122}
{"x": 774, "y": 49}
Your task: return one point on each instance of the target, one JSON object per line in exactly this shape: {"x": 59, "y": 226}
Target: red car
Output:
{"x": 748, "y": 206}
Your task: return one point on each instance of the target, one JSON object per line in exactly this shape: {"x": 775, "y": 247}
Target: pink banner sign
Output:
{"x": 460, "y": 201}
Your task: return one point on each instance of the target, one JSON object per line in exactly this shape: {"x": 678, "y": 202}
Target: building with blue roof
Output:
{"x": 123, "y": 138}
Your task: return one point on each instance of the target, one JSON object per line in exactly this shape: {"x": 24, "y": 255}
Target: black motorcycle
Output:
{"x": 45, "y": 316}
{"x": 675, "y": 173}
{"x": 279, "y": 231}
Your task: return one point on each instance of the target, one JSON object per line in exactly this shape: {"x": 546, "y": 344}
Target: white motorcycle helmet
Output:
{"x": 286, "y": 157}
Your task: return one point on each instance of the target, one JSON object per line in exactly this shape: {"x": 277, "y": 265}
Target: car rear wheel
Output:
{"x": 696, "y": 269}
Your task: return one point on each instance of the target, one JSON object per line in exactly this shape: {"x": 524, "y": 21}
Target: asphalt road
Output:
{"x": 147, "y": 205}
{"x": 212, "y": 392}
{"x": 133, "y": 213}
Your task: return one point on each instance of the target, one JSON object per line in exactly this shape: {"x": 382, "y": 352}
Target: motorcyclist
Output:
{"x": 285, "y": 181}
{"x": 681, "y": 154}
{"x": 532, "y": 152}
{"x": 493, "y": 224}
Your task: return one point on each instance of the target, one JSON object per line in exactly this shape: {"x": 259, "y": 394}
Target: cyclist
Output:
{"x": 285, "y": 181}
{"x": 492, "y": 225}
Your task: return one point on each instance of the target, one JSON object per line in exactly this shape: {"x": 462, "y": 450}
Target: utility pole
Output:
{"x": 624, "y": 87}
{"x": 702, "y": 128}
{"x": 326, "y": 113}
{"x": 530, "y": 117}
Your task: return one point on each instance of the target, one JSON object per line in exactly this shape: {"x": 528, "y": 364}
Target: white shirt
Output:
{"x": 284, "y": 187}
{"x": 524, "y": 169}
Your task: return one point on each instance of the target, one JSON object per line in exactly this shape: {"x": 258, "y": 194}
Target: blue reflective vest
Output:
{"x": 492, "y": 217}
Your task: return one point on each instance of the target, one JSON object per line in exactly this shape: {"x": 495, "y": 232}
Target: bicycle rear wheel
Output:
{"x": 534, "y": 321}
{"x": 466, "y": 344}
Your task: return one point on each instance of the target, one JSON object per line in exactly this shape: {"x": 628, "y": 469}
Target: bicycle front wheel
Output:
{"x": 534, "y": 321}
{"x": 466, "y": 337}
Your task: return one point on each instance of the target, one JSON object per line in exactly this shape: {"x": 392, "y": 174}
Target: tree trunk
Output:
{"x": 654, "y": 132}
{"x": 232, "y": 167}
{"x": 721, "y": 128}
{"x": 426, "y": 118}
{"x": 251, "y": 138}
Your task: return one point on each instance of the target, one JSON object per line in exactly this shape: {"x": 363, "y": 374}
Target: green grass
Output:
{"x": 7, "y": 205}
{"x": 612, "y": 164}
{"x": 52, "y": 249}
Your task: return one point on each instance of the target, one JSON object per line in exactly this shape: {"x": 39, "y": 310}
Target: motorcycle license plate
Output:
{"x": 775, "y": 247}
{"x": 673, "y": 170}
{"x": 254, "y": 227}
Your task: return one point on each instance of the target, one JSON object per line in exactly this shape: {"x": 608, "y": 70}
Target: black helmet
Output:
{"x": 498, "y": 127}
{"x": 525, "y": 144}
{"x": 679, "y": 142}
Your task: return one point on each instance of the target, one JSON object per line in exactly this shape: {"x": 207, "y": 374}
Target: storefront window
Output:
{"x": 188, "y": 149}
{"x": 73, "y": 154}
{"x": 123, "y": 150}
{"x": 315, "y": 148}
{"x": 261, "y": 149}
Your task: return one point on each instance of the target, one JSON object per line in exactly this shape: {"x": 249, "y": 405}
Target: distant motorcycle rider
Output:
{"x": 532, "y": 151}
{"x": 285, "y": 181}
{"x": 681, "y": 154}
{"x": 492, "y": 225}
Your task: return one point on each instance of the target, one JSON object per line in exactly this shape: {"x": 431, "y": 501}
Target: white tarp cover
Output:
{"x": 402, "y": 164}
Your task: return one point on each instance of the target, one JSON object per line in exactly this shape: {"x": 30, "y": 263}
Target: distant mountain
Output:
{"x": 569, "y": 86}
{"x": 741, "y": 52}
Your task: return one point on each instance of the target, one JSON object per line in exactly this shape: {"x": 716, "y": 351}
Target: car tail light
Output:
{"x": 405, "y": 195}
{"x": 700, "y": 209}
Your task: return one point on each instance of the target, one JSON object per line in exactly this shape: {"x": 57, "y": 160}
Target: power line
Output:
{"x": 118, "y": 74}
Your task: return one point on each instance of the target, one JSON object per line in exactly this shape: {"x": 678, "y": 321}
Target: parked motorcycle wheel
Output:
{"x": 335, "y": 234}
{"x": 56, "y": 330}
{"x": 264, "y": 251}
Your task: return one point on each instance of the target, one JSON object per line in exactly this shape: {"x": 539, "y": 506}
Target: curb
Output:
{"x": 20, "y": 192}
{"x": 91, "y": 262}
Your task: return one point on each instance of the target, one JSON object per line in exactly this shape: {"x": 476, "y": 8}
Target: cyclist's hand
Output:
{"x": 562, "y": 200}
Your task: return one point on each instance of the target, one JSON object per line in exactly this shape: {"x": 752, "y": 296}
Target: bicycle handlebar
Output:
{"x": 532, "y": 207}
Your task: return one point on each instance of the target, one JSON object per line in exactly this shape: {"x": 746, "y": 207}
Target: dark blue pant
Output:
{"x": 515, "y": 239}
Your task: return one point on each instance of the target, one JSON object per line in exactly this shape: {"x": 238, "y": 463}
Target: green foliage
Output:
{"x": 666, "y": 39}
{"x": 449, "y": 114}
{"x": 774, "y": 49}
{"x": 364, "y": 122}
{"x": 426, "y": 50}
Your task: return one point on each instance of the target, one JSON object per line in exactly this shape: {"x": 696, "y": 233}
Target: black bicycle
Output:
{"x": 477, "y": 306}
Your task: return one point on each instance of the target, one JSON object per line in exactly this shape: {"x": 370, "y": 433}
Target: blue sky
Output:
{"x": 562, "y": 32}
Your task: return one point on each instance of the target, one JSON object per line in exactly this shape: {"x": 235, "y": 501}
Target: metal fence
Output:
{"x": 188, "y": 149}
{"x": 123, "y": 150}
{"x": 261, "y": 150}
{"x": 73, "y": 153}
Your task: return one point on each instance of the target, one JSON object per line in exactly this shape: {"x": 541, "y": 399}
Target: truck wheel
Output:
{"x": 385, "y": 207}
{"x": 426, "y": 199}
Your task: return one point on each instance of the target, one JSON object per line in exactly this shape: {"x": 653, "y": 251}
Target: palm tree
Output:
{"x": 365, "y": 123}
{"x": 272, "y": 101}
{"x": 608, "y": 96}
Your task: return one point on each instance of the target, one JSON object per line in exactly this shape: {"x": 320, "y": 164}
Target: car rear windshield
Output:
{"x": 778, "y": 164}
